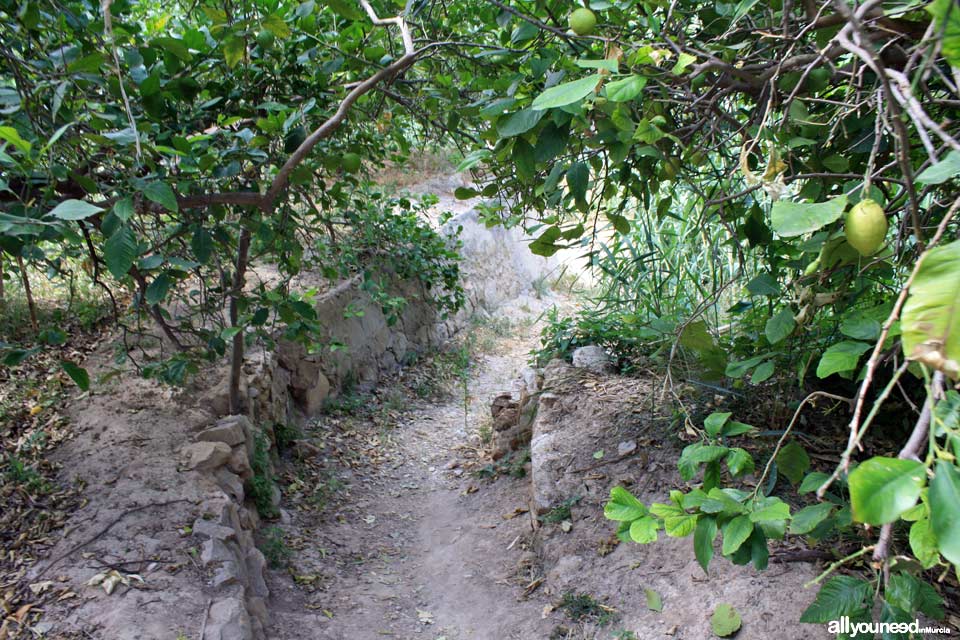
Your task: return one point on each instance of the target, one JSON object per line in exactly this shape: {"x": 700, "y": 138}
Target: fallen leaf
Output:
{"x": 39, "y": 587}
{"x": 425, "y": 617}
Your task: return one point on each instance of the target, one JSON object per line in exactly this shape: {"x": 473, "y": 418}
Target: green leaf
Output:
{"x": 715, "y": 421}
{"x": 275, "y": 25}
{"x": 945, "y": 510}
{"x": 696, "y": 454}
{"x": 654, "y": 601}
{"x": 735, "y": 533}
{"x": 176, "y": 47}
{"x": 679, "y": 526}
{"x": 123, "y": 209}
{"x": 948, "y": 23}
{"x": 763, "y": 372}
{"x": 157, "y": 290}
{"x": 12, "y": 136}
{"x": 234, "y": 48}
{"x": 807, "y": 519}
{"x": 472, "y": 159}
{"x": 162, "y": 194}
{"x": 861, "y": 327}
{"x": 644, "y": 530}
{"x": 943, "y": 170}
{"x": 883, "y": 488}
{"x": 626, "y": 89}
{"x": 623, "y": 506}
{"x": 763, "y": 285}
{"x": 545, "y": 245}
{"x": 734, "y": 428}
{"x": 779, "y": 326}
{"x": 567, "y": 93}
{"x": 77, "y": 373}
{"x": 790, "y": 219}
{"x": 202, "y": 245}
{"x": 923, "y": 543}
{"x": 812, "y": 482}
{"x": 74, "y": 210}
{"x": 120, "y": 251}
{"x": 841, "y": 357}
{"x": 684, "y": 60}
{"x": 839, "y": 596}
{"x": 620, "y": 224}
{"x": 578, "y": 179}
{"x": 770, "y": 509}
{"x": 931, "y": 315}
{"x": 739, "y": 462}
{"x": 793, "y": 461}
{"x": 519, "y": 122}
{"x": 725, "y": 620}
{"x": 465, "y": 193}
{"x": 703, "y": 537}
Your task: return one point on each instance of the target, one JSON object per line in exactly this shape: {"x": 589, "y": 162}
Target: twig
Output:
{"x": 109, "y": 526}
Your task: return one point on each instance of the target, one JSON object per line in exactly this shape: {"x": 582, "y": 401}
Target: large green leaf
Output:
{"x": 120, "y": 251}
{"x": 807, "y": 519}
{"x": 931, "y": 315}
{"x": 74, "y": 210}
{"x": 840, "y": 357}
{"x": 735, "y": 533}
{"x": 644, "y": 530}
{"x": 162, "y": 194}
{"x": 790, "y": 219}
{"x": 947, "y": 16}
{"x": 840, "y": 596}
{"x": 703, "y": 536}
{"x": 945, "y": 510}
{"x": 945, "y": 169}
{"x": 623, "y": 506}
{"x": 566, "y": 93}
{"x": 626, "y": 89}
{"x": 519, "y": 122}
{"x": 780, "y": 326}
{"x": 77, "y": 373}
{"x": 883, "y": 488}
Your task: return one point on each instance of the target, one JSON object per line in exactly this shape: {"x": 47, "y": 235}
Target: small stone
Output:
{"x": 626, "y": 447}
{"x": 453, "y": 464}
{"x": 205, "y": 456}
{"x": 592, "y": 358}
{"x": 215, "y": 550}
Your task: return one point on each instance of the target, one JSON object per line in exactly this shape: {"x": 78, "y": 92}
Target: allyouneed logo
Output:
{"x": 869, "y": 629}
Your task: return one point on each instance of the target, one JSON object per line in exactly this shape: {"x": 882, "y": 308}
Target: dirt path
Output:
{"x": 421, "y": 550}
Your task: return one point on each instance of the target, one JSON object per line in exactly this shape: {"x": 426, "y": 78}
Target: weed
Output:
{"x": 20, "y": 473}
{"x": 623, "y": 634}
{"x": 274, "y": 547}
{"x": 582, "y": 606}
{"x": 285, "y": 434}
{"x": 513, "y": 465}
{"x": 560, "y": 512}
{"x": 261, "y": 484}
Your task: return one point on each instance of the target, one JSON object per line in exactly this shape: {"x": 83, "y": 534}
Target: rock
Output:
{"x": 228, "y": 620}
{"x": 205, "y": 456}
{"x": 627, "y": 447}
{"x": 218, "y": 398}
{"x": 212, "y": 530}
{"x": 312, "y": 399}
{"x": 228, "y": 432}
{"x": 226, "y": 574}
{"x": 215, "y": 550}
{"x": 257, "y": 608}
{"x": 239, "y": 463}
{"x": 512, "y": 422}
{"x": 231, "y": 484}
{"x": 256, "y": 564}
{"x": 592, "y": 358}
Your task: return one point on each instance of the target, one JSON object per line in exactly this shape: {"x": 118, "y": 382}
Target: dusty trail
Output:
{"x": 420, "y": 553}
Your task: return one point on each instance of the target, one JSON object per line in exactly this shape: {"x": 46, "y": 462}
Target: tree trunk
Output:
{"x": 26, "y": 289}
{"x": 236, "y": 355}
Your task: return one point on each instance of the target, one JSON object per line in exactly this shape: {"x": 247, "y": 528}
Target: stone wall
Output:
{"x": 234, "y": 565}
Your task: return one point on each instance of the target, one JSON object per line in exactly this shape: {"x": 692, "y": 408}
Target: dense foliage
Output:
{"x": 768, "y": 190}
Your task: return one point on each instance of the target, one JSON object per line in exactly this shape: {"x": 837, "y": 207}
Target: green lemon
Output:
{"x": 582, "y": 21}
